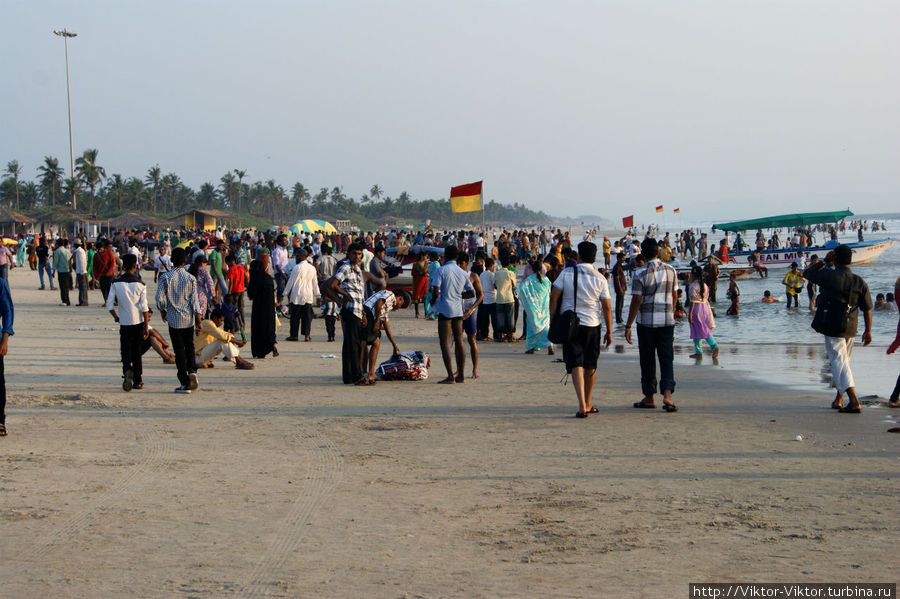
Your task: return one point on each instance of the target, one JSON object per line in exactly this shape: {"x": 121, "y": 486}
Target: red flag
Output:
{"x": 628, "y": 221}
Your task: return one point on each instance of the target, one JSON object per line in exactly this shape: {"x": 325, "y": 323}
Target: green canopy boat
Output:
{"x": 784, "y": 220}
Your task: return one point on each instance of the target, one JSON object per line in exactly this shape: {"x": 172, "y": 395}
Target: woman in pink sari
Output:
{"x": 700, "y": 315}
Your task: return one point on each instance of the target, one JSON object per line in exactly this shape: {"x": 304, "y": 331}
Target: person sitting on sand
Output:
{"x": 767, "y": 297}
{"x": 213, "y": 340}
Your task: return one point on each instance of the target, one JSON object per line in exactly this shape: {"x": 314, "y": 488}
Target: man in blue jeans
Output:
{"x": 654, "y": 291}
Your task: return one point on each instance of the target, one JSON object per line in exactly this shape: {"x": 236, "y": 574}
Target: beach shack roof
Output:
{"x": 784, "y": 220}
{"x": 133, "y": 220}
{"x": 11, "y": 216}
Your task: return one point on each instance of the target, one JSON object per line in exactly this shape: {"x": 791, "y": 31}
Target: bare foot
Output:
{"x": 894, "y": 404}
{"x": 460, "y": 378}
{"x": 696, "y": 356}
{"x": 474, "y": 375}
{"x": 447, "y": 381}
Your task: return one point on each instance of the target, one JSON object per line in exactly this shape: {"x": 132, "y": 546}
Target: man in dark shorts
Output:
{"x": 471, "y": 301}
{"x": 451, "y": 282}
{"x": 590, "y": 304}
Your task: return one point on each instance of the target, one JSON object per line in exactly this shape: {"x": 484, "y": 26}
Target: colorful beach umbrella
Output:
{"x": 315, "y": 224}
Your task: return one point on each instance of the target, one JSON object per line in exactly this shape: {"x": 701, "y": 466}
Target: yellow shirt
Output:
{"x": 665, "y": 254}
{"x": 505, "y": 284}
{"x": 209, "y": 332}
{"x": 791, "y": 281}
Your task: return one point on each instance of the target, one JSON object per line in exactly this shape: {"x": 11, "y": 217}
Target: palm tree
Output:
{"x": 50, "y": 178}
{"x": 376, "y": 192}
{"x": 116, "y": 186}
{"x": 138, "y": 193}
{"x": 403, "y": 202}
{"x": 206, "y": 197}
{"x": 152, "y": 179}
{"x": 240, "y": 175}
{"x": 300, "y": 196}
{"x": 228, "y": 188}
{"x": 13, "y": 170}
{"x": 90, "y": 172}
{"x": 70, "y": 188}
{"x": 170, "y": 184}
{"x": 275, "y": 194}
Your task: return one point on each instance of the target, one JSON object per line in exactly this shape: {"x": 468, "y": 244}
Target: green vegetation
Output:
{"x": 165, "y": 195}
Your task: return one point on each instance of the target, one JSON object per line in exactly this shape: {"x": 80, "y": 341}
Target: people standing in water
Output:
{"x": 734, "y": 294}
{"x": 793, "y": 285}
{"x": 810, "y": 286}
{"x": 700, "y": 316}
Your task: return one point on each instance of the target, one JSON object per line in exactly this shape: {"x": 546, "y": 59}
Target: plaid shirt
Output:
{"x": 390, "y": 300}
{"x": 176, "y": 295}
{"x": 351, "y": 280}
{"x": 656, "y": 283}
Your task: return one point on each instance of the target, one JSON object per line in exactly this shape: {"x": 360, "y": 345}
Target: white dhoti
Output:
{"x": 214, "y": 349}
{"x": 839, "y": 350}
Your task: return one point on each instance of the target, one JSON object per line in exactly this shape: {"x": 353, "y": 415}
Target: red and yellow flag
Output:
{"x": 659, "y": 208}
{"x": 466, "y": 198}
{"x": 677, "y": 210}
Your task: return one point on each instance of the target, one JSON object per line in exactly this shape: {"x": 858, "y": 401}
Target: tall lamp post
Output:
{"x": 66, "y": 35}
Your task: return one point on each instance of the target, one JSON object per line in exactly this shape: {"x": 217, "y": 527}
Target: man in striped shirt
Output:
{"x": 348, "y": 284}
{"x": 654, "y": 292}
{"x": 176, "y": 298}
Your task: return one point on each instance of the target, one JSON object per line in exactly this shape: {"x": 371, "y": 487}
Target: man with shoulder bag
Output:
{"x": 580, "y": 295}
{"x": 842, "y": 296}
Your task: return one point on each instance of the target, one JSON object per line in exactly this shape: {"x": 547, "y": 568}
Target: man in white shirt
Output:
{"x": 302, "y": 290}
{"x": 279, "y": 263}
{"x": 592, "y": 302}
{"x": 487, "y": 315}
{"x": 162, "y": 263}
{"x": 133, "y": 318}
{"x": 79, "y": 264}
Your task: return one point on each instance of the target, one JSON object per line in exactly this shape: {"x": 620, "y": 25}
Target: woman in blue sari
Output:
{"x": 534, "y": 294}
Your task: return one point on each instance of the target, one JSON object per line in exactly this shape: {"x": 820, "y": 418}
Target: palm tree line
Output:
{"x": 165, "y": 194}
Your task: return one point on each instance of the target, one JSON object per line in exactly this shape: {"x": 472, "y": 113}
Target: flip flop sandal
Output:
{"x": 593, "y": 410}
{"x": 641, "y": 404}
{"x": 849, "y": 410}
{"x": 581, "y": 414}
{"x": 3, "y": 430}
{"x": 670, "y": 407}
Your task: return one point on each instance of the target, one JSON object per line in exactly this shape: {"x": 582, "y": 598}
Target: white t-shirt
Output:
{"x": 592, "y": 287}
{"x": 163, "y": 263}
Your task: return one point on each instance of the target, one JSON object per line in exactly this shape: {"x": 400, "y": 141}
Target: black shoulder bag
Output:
{"x": 833, "y": 314}
{"x": 564, "y": 326}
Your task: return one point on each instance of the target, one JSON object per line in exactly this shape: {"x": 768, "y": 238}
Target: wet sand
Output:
{"x": 283, "y": 482}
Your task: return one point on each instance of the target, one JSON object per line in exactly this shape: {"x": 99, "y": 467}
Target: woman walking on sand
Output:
{"x": 534, "y": 294}
{"x": 700, "y": 315}
{"x": 261, "y": 291}
{"x": 420, "y": 280}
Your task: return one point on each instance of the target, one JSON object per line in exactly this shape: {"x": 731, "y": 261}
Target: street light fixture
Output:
{"x": 66, "y": 35}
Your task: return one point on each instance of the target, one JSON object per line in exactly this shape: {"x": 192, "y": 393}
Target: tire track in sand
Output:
{"x": 158, "y": 449}
{"x": 325, "y": 469}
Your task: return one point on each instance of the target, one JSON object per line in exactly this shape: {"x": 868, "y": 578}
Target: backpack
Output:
{"x": 832, "y": 315}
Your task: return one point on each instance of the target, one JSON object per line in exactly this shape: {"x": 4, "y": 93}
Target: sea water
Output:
{"x": 775, "y": 343}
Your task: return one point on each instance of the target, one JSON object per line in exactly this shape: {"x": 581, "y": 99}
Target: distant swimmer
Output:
{"x": 767, "y": 297}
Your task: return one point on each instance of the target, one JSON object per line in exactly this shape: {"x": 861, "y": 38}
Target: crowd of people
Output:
{"x": 474, "y": 284}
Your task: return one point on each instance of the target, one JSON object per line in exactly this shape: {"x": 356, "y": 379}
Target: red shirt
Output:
{"x": 104, "y": 264}
{"x": 237, "y": 278}
{"x": 723, "y": 253}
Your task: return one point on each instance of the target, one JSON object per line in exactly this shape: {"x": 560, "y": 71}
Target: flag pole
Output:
{"x": 483, "y": 228}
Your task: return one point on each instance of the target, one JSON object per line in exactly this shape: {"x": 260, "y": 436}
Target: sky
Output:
{"x": 724, "y": 109}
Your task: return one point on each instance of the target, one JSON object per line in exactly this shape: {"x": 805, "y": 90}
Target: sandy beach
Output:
{"x": 282, "y": 482}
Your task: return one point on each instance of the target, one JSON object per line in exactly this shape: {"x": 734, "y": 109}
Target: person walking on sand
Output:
{"x": 130, "y": 293}
{"x": 6, "y": 315}
{"x": 654, "y": 288}
{"x": 534, "y": 293}
{"x": 700, "y": 316}
{"x": 452, "y": 282}
{"x": 582, "y": 289}
{"x": 42, "y": 251}
{"x": 176, "y": 298}
{"x": 62, "y": 259}
{"x": 104, "y": 267}
{"x": 844, "y": 294}
{"x": 302, "y": 291}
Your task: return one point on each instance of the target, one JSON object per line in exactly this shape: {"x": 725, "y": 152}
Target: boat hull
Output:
{"x": 863, "y": 253}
